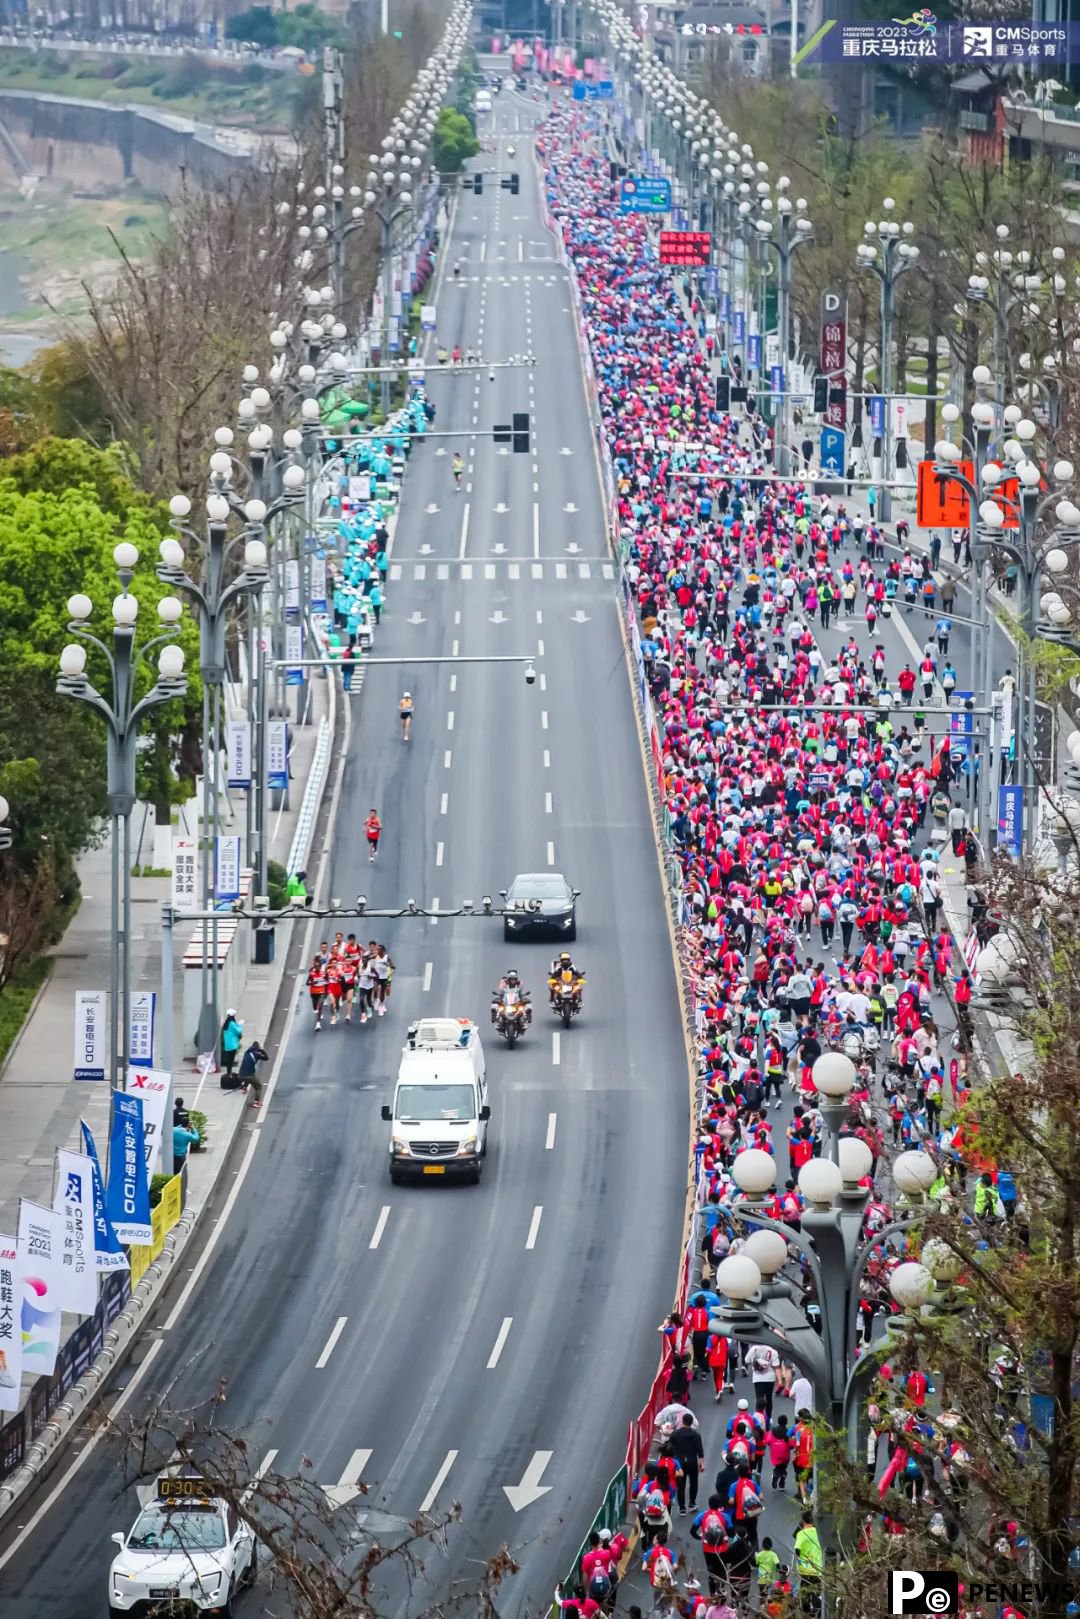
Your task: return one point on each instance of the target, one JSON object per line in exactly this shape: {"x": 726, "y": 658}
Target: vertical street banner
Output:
{"x": 294, "y": 652}
{"x": 108, "y": 1254}
{"x": 38, "y": 1252}
{"x": 10, "y": 1325}
{"x": 141, "y": 1030}
{"x": 185, "y": 873}
{"x": 74, "y": 1203}
{"x": 227, "y": 868}
{"x": 151, "y": 1086}
{"x": 833, "y": 354}
{"x": 877, "y": 415}
{"x": 292, "y": 585}
{"x": 961, "y": 726}
{"x": 738, "y": 328}
{"x": 127, "y": 1196}
{"x": 1011, "y": 820}
{"x": 238, "y": 753}
{"x": 318, "y": 583}
{"x": 91, "y": 1033}
{"x": 277, "y": 754}
{"x": 753, "y": 352}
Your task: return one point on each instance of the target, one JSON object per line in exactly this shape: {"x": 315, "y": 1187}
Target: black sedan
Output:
{"x": 540, "y": 902}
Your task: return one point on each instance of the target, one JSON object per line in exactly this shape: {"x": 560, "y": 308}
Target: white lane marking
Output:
{"x": 500, "y": 1342}
{"x": 457, "y": 615}
{"x": 547, "y": 803}
{"x": 453, "y": 678}
{"x": 463, "y": 542}
{"x": 540, "y": 647}
{"x": 551, "y": 854}
{"x": 348, "y": 1485}
{"x": 380, "y": 1226}
{"x": 440, "y": 1479}
{"x": 87, "y": 1450}
{"x": 265, "y": 1465}
{"x": 447, "y": 757}
{"x": 434, "y": 920}
{"x": 539, "y": 615}
{"x": 547, "y": 760}
{"x": 338, "y": 1329}
{"x": 450, "y": 720}
{"x": 534, "y": 1226}
{"x": 454, "y": 648}
{"x": 536, "y": 527}
{"x": 438, "y": 854}
{"x": 429, "y": 967}
{"x": 444, "y": 802}
{"x": 549, "y": 1143}
{"x": 543, "y": 719}
{"x": 543, "y": 682}
{"x": 556, "y": 1049}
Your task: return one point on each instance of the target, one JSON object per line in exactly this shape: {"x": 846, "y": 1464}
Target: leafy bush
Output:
{"x": 183, "y": 78}
{"x": 454, "y": 142}
{"x": 142, "y": 75}
{"x": 277, "y": 879}
{"x": 158, "y": 1184}
{"x": 51, "y": 65}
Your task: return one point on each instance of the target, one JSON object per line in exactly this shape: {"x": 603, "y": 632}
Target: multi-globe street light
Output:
{"x": 783, "y": 237}
{"x": 123, "y": 712}
{"x": 891, "y": 257}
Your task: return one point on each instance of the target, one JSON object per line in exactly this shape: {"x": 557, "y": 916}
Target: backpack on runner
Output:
{"x": 655, "y": 1506}
{"x": 713, "y": 1530}
{"x": 662, "y": 1572}
{"x": 599, "y": 1586}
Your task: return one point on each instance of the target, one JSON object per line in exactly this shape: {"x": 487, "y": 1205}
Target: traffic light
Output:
{"x": 515, "y": 184}
{"x": 478, "y": 183}
{"x": 723, "y": 393}
{"x": 521, "y": 432}
{"x": 821, "y": 395}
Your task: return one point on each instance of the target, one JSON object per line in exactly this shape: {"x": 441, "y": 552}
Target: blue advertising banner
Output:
{"x": 738, "y": 327}
{"x": 127, "y": 1196}
{"x": 833, "y": 451}
{"x": 1011, "y": 820}
{"x": 776, "y": 379}
{"x": 640, "y": 195}
{"x": 753, "y": 351}
{"x": 108, "y": 1254}
{"x": 961, "y": 726}
{"x": 877, "y": 416}
{"x": 600, "y": 90}
{"x": 725, "y": 306}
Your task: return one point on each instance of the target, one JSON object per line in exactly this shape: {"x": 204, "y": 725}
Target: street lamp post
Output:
{"x": 1016, "y": 529}
{"x": 5, "y": 830}
{"x": 791, "y": 229}
{"x": 763, "y": 1307}
{"x": 122, "y": 715}
{"x": 212, "y": 599}
{"x": 889, "y": 260}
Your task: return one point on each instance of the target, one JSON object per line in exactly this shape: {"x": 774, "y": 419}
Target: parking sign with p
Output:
{"x": 912, "y": 1591}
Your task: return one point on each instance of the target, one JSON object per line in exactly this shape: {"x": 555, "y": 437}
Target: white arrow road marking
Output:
{"x": 573, "y": 547}
{"x": 440, "y": 450}
{"x": 534, "y": 1226}
{"x": 569, "y": 507}
{"x": 502, "y": 506}
{"x": 499, "y": 549}
{"x": 380, "y": 1226}
{"x": 339, "y": 1328}
{"x": 565, "y": 451}
{"x": 580, "y": 617}
{"x": 425, "y": 549}
{"x": 416, "y": 618}
{"x": 498, "y": 617}
{"x": 260, "y": 1473}
{"x": 440, "y": 1479}
{"x": 348, "y": 1486}
{"x": 500, "y": 1342}
{"x": 530, "y": 1489}
{"x": 432, "y": 509}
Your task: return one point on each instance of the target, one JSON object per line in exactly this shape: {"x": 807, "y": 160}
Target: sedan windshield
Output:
{"x": 421, "y": 1102}
{"x": 178, "y": 1529}
{"x": 540, "y": 888}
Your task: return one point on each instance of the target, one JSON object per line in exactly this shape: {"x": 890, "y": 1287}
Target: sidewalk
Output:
{"x": 41, "y": 1105}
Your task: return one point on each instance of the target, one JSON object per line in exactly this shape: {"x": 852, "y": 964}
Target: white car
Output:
{"x": 193, "y": 1550}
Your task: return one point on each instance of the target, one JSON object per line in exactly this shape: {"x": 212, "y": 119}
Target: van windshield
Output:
{"x": 417, "y": 1103}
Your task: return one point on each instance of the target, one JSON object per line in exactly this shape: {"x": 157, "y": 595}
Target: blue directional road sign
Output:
{"x": 832, "y": 452}
{"x": 638, "y": 195}
{"x": 594, "y": 90}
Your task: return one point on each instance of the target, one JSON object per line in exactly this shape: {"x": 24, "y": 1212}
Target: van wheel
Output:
{"x": 396, "y": 1177}
{"x": 473, "y": 1177}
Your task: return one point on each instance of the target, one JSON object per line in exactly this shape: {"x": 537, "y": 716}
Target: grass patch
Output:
{"x": 17, "y": 999}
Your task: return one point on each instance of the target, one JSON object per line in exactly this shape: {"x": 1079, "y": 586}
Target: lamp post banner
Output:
{"x": 292, "y": 585}
{"x": 238, "y": 748}
{"x": 74, "y": 1203}
{"x": 185, "y": 873}
{"x": 38, "y": 1250}
{"x": 151, "y": 1085}
{"x": 11, "y": 1355}
{"x": 317, "y": 583}
{"x": 108, "y": 1254}
{"x": 141, "y": 1031}
{"x": 127, "y": 1196}
{"x": 90, "y": 1033}
{"x": 277, "y": 754}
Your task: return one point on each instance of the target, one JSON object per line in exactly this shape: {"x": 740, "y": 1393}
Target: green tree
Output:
{"x": 257, "y": 26}
{"x": 454, "y": 141}
{"x": 307, "y": 28}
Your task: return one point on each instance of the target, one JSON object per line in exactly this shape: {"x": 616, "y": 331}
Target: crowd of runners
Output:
{"x": 347, "y": 977}
{"x": 803, "y": 778}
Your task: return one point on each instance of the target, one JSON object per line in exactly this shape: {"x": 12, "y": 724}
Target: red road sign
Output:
{"x": 688, "y": 249}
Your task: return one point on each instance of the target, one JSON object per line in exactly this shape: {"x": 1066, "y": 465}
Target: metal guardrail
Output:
{"x": 305, "y": 821}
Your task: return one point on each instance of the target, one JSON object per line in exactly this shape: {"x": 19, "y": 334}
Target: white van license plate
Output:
{"x": 434, "y": 1169}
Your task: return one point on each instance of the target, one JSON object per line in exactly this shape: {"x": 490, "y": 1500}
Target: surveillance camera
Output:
{"x": 298, "y": 900}
{"x": 530, "y": 675}
{"x": 261, "y": 902}
{"x": 237, "y": 907}
{"x": 467, "y": 906}
{"x": 361, "y": 903}
{"x": 335, "y": 905}
{"x": 486, "y": 903}
{"x": 491, "y": 376}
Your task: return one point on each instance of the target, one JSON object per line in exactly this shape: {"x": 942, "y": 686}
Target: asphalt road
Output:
{"x": 445, "y": 1401}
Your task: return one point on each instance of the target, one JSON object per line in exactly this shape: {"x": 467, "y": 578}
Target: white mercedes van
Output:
{"x": 439, "y": 1117}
